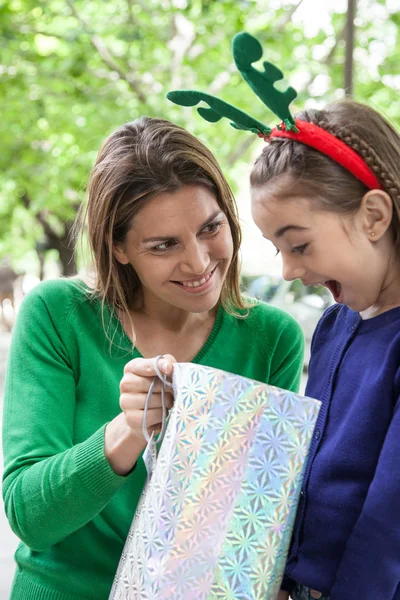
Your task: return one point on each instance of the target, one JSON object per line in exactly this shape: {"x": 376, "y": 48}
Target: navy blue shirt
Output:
{"x": 346, "y": 539}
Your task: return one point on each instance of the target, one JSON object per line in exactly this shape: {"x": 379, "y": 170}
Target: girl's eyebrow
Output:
{"x": 280, "y": 232}
{"x": 161, "y": 238}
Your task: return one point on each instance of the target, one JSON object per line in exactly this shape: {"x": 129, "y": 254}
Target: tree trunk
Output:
{"x": 65, "y": 249}
{"x": 53, "y": 241}
{"x": 67, "y": 258}
{"x": 41, "y": 264}
{"x": 348, "y": 68}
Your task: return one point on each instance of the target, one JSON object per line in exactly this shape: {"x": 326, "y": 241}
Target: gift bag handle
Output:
{"x": 164, "y": 382}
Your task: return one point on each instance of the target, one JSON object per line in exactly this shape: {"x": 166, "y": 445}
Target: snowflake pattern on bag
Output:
{"x": 215, "y": 519}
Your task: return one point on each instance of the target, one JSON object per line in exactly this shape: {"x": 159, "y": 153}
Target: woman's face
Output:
{"x": 180, "y": 245}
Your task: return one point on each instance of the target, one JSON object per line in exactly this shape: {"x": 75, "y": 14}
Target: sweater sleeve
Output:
{"x": 370, "y": 567}
{"x": 51, "y": 487}
{"x": 287, "y": 361}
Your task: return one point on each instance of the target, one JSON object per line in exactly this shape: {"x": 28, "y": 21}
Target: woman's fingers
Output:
{"x": 138, "y": 377}
{"x": 166, "y": 364}
{"x": 134, "y": 418}
{"x": 145, "y": 366}
{"x": 136, "y": 384}
{"x": 129, "y": 401}
{"x": 139, "y": 374}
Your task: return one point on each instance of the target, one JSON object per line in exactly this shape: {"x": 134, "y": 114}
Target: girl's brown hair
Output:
{"x": 310, "y": 173}
{"x": 137, "y": 162}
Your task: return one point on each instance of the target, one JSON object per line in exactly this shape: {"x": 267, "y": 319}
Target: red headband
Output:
{"x": 326, "y": 143}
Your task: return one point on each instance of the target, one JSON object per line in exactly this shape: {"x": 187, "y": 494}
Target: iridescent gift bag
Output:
{"x": 215, "y": 518}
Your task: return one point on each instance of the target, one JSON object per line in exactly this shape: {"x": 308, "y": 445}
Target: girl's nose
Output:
{"x": 291, "y": 271}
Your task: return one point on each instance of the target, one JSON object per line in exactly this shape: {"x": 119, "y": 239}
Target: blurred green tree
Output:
{"x": 72, "y": 71}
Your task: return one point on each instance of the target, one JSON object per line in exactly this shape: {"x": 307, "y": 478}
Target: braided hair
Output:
{"x": 292, "y": 168}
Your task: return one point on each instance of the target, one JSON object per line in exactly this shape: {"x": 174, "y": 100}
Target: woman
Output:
{"x": 164, "y": 233}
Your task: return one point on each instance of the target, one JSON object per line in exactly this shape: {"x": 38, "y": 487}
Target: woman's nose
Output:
{"x": 197, "y": 259}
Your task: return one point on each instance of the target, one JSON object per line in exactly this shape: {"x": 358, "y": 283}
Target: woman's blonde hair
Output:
{"x": 309, "y": 172}
{"x": 137, "y": 162}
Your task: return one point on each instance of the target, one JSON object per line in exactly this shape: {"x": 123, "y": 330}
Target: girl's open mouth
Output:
{"x": 334, "y": 287}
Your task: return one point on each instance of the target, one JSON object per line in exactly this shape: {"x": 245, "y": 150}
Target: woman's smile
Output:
{"x": 200, "y": 285}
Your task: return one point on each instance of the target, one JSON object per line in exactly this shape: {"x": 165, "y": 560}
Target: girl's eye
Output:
{"x": 164, "y": 246}
{"x": 299, "y": 249}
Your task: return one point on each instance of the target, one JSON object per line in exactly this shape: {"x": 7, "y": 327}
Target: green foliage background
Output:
{"x": 72, "y": 71}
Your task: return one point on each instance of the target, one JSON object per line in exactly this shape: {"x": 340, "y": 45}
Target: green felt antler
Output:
{"x": 218, "y": 109}
{"x": 246, "y": 50}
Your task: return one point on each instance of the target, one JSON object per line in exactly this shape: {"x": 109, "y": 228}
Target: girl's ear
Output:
{"x": 376, "y": 210}
{"x": 119, "y": 253}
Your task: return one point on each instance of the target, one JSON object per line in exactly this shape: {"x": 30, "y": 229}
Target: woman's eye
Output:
{"x": 299, "y": 249}
{"x": 164, "y": 246}
{"x": 211, "y": 228}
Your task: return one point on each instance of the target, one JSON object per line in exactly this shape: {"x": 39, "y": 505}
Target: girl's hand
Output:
{"x": 124, "y": 440}
{"x": 283, "y": 595}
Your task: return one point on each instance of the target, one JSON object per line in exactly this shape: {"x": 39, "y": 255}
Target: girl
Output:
{"x": 165, "y": 237}
{"x": 339, "y": 226}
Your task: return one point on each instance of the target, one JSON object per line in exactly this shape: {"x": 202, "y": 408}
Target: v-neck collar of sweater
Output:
{"x": 124, "y": 342}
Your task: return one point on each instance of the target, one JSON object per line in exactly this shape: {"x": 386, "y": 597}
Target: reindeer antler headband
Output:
{"x": 247, "y": 50}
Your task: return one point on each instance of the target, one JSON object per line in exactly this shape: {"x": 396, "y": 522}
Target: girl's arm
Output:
{"x": 370, "y": 567}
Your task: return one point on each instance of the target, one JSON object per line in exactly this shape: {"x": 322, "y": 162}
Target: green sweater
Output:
{"x": 62, "y": 499}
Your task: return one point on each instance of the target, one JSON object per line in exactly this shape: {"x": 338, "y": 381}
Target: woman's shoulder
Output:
{"x": 59, "y": 289}
{"x": 56, "y": 296}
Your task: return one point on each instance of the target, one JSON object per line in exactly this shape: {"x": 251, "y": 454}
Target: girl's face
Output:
{"x": 324, "y": 248}
{"x": 180, "y": 246}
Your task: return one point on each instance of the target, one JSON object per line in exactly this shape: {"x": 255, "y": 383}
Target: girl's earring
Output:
{"x": 372, "y": 234}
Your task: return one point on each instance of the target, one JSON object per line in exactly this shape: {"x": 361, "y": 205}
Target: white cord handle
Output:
{"x": 164, "y": 382}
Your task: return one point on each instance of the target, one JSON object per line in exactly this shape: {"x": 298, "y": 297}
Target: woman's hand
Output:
{"x": 134, "y": 387}
{"x": 124, "y": 439}
{"x": 283, "y": 595}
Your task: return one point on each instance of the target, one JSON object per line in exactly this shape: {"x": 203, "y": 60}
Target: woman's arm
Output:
{"x": 288, "y": 356}
{"x": 52, "y": 486}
